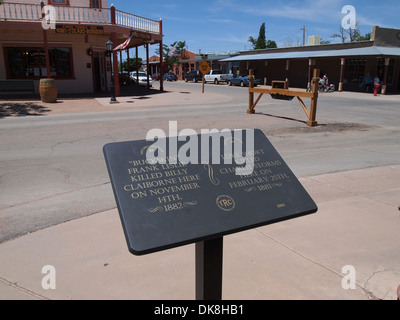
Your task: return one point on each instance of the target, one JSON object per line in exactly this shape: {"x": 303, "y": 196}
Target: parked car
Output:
{"x": 156, "y": 76}
{"x": 142, "y": 78}
{"x": 194, "y": 76}
{"x": 217, "y": 76}
{"x": 170, "y": 76}
{"x": 242, "y": 81}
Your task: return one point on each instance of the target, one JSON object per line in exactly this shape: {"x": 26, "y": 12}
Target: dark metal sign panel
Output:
{"x": 79, "y": 29}
{"x": 165, "y": 205}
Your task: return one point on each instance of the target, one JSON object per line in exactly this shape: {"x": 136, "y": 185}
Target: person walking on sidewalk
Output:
{"x": 377, "y": 84}
{"x": 368, "y": 81}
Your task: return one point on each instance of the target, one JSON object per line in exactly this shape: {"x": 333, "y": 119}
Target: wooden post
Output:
{"x": 313, "y": 109}
{"x": 120, "y": 61}
{"x": 251, "y": 94}
{"x": 115, "y": 65}
{"x": 266, "y": 73}
{"x": 147, "y": 65}
{"x": 161, "y": 60}
{"x": 287, "y": 69}
{"x": 385, "y": 76}
{"x": 137, "y": 66}
{"x": 309, "y": 73}
{"x": 46, "y": 46}
{"x": 112, "y": 13}
{"x": 342, "y": 62}
{"x": 115, "y": 54}
{"x": 129, "y": 65}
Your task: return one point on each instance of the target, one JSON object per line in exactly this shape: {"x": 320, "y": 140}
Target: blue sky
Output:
{"x": 225, "y": 25}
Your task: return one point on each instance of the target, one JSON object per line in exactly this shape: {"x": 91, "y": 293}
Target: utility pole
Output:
{"x": 304, "y": 35}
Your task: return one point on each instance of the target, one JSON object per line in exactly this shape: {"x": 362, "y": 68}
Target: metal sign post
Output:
{"x": 204, "y": 68}
{"x": 209, "y": 269}
{"x": 194, "y": 203}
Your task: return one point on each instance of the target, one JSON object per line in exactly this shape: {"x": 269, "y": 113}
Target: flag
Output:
{"x": 123, "y": 45}
{"x": 173, "y": 53}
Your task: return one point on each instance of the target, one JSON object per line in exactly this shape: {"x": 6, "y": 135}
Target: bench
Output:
{"x": 16, "y": 85}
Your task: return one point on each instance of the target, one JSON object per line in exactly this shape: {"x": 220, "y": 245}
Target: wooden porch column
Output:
{"x": 147, "y": 65}
{"x": 115, "y": 54}
{"x": 385, "y": 76}
{"x": 309, "y": 73}
{"x": 46, "y": 46}
{"x": 161, "y": 59}
{"x": 287, "y": 70}
{"x": 115, "y": 66}
{"x": 342, "y": 63}
{"x": 266, "y": 73}
{"x": 120, "y": 60}
{"x": 129, "y": 65}
{"x": 137, "y": 66}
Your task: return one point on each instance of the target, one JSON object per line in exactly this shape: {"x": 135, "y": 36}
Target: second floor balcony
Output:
{"x": 22, "y": 12}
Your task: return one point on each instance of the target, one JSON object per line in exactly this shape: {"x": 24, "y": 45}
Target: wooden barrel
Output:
{"x": 48, "y": 90}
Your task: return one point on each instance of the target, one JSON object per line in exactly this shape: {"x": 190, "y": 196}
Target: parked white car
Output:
{"x": 142, "y": 78}
{"x": 217, "y": 76}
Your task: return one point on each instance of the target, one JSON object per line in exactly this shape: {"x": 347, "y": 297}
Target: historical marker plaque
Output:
{"x": 171, "y": 204}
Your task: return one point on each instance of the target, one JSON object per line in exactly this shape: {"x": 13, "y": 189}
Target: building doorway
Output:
{"x": 99, "y": 71}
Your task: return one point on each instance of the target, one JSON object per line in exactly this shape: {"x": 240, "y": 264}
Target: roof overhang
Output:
{"x": 341, "y": 53}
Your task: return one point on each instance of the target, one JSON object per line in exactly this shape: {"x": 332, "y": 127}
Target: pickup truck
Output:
{"x": 217, "y": 76}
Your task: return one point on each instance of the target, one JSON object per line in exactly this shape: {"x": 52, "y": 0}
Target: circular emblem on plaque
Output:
{"x": 225, "y": 202}
{"x": 398, "y": 35}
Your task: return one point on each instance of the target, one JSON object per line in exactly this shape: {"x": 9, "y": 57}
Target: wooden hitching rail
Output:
{"x": 311, "y": 114}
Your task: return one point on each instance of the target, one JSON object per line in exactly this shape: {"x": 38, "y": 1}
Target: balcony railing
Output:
{"x": 78, "y": 15}
{"x": 135, "y": 22}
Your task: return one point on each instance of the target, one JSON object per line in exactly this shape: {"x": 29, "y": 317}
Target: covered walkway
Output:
{"x": 346, "y": 64}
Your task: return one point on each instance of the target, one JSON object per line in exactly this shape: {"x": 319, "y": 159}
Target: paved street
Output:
{"x": 53, "y": 170}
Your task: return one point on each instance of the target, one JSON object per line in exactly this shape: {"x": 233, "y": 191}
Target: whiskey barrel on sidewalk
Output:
{"x": 48, "y": 90}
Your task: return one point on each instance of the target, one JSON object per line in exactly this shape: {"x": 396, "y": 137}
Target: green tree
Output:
{"x": 171, "y": 54}
{"x": 261, "y": 42}
{"x": 132, "y": 64}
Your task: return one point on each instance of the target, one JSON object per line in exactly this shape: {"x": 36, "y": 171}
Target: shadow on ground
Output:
{"x": 334, "y": 127}
{"x": 135, "y": 92}
{"x": 21, "y": 109}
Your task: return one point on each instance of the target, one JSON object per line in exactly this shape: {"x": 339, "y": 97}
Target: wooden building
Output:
{"x": 66, "y": 40}
{"x": 346, "y": 64}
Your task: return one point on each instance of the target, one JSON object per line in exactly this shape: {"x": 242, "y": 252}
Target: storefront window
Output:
{"x": 95, "y": 3}
{"x": 31, "y": 62}
{"x": 354, "y": 70}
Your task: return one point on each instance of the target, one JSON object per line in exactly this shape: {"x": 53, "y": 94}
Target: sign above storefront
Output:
{"x": 141, "y": 35}
{"x": 78, "y": 29}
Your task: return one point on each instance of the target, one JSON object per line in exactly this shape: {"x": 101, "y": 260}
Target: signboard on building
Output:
{"x": 141, "y": 35}
{"x": 78, "y": 29}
